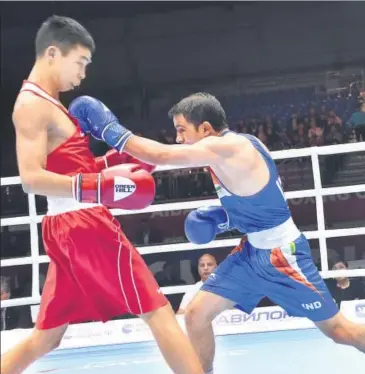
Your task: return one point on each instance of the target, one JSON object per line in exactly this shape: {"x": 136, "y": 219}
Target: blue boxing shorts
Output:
{"x": 286, "y": 275}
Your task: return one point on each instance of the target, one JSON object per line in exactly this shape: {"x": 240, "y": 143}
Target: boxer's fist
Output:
{"x": 113, "y": 158}
{"x": 125, "y": 186}
{"x": 96, "y": 119}
{"x": 203, "y": 224}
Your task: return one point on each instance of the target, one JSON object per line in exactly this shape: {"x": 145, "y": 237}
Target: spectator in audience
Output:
{"x": 239, "y": 127}
{"x": 306, "y": 122}
{"x": 344, "y": 288}
{"x": 323, "y": 116}
{"x": 13, "y": 317}
{"x": 300, "y": 139}
{"x": 5, "y": 295}
{"x": 206, "y": 265}
{"x": 167, "y": 276}
{"x": 334, "y": 119}
{"x": 294, "y": 123}
{"x": 314, "y": 116}
{"x": 334, "y": 135}
{"x": 261, "y": 133}
{"x": 146, "y": 234}
{"x": 315, "y": 133}
{"x": 357, "y": 123}
{"x": 253, "y": 126}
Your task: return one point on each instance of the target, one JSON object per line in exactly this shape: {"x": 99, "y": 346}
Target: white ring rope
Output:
{"x": 318, "y": 192}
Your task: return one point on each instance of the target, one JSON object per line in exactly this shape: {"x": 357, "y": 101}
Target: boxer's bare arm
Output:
{"x": 207, "y": 152}
{"x": 31, "y": 117}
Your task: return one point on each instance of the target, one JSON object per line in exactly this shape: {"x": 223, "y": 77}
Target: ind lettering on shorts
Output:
{"x": 123, "y": 187}
{"x": 312, "y": 306}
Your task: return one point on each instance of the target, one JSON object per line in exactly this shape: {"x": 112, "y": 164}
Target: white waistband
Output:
{"x": 276, "y": 237}
{"x": 59, "y": 205}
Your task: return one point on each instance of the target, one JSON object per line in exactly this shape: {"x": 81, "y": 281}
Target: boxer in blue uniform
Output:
{"x": 275, "y": 261}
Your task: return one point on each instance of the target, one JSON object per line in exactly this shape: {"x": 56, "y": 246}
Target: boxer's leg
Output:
{"x": 39, "y": 343}
{"x": 173, "y": 343}
{"x": 125, "y": 284}
{"x": 61, "y": 298}
{"x": 198, "y": 318}
{"x": 343, "y": 331}
{"x": 232, "y": 284}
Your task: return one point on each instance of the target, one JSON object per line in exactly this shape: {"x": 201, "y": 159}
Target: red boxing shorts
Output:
{"x": 95, "y": 273}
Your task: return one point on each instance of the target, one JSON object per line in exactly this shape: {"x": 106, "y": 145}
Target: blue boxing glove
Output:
{"x": 203, "y": 224}
{"x": 96, "y": 119}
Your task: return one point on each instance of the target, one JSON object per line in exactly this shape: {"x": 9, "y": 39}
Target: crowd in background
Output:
{"x": 297, "y": 119}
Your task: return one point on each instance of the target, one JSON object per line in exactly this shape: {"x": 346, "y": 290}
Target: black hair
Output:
{"x": 340, "y": 261}
{"x": 200, "y": 107}
{"x": 63, "y": 32}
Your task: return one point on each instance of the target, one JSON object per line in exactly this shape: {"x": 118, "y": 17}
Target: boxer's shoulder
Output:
{"x": 233, "y": 147}
{"x": 222, "y": 145}
{"x": 30, "y": 108}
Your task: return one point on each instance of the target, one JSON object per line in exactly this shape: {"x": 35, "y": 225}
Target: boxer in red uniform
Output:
{"x": 95, "y": 273}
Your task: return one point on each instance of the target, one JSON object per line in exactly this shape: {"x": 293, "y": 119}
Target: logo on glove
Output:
{"x": 123, "y": 187}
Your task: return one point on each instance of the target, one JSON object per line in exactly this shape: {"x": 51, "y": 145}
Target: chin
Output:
{"x": 66, "y": 88}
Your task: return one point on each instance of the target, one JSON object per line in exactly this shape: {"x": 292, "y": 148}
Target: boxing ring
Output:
{"x": 242, "y": 340}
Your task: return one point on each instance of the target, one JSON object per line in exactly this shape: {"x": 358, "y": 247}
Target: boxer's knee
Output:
{"x": 202, "y": 310}
{"x": 197, "y": 316}
{"x": 164, "y": 312}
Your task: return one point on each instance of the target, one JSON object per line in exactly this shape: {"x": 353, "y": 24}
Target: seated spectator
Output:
{"x": 147, "y": 234}
{"x": 357, "y": 123}
{"x": 314, "y": 116}
{"x": 206, "y": 265}
{"x": 261, "y": 134}
{"x": 14, "y": 317}
{"x": 293, "y": 124}
{"x": 167, "y": 277}
{"x": 285, "y": 141}
{"x": 239, "y": 127}
{"x": 306, "y": 122}
{"x": 333, "y": 119}
{"x": 5, "y": 295}
{"x": 315, "y": 133}
{"x": 334, "y": 135}
{"x": 270, "y": 123}
{"x": 323, "y": 115}
{"x": 300, "y": 139}
{"x": 344, "y": 288}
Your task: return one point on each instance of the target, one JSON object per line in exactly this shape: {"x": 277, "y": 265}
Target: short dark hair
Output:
{"x": 200, "y": 107}
{"x": 342, "y": 262}
{"x": 63, "y": 32}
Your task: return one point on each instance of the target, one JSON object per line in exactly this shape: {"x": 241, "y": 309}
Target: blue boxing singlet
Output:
{"x": 264, "y": 216}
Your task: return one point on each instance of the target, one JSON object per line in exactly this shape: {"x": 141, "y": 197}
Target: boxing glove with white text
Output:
{"x": 126, "y": 186}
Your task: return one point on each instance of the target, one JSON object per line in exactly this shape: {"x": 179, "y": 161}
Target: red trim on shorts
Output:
{"x": 281, "y": 264}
